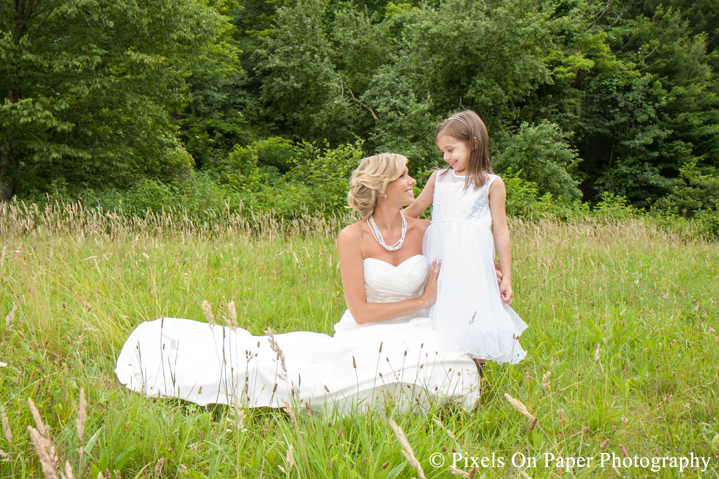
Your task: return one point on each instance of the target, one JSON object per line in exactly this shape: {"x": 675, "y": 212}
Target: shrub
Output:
{"x": 541, "y": 154}
{"x": 325, "y": 174}
{"x": 615, "y": 207}
{"x": 696, "y": 196}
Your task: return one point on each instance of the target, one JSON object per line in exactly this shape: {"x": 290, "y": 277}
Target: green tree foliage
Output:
{"x": 541, "y": 154}
{"x": 90, "y": 89}
{"x": 256, "y": 101}
{"x": 459, "y": 54}
{"x": 655, "y": 108}
{"x": 702, "y": 15}
{"x": 213, "y": 121}
{"x": 316, "y": 65}
{"x": 696, "y": 195}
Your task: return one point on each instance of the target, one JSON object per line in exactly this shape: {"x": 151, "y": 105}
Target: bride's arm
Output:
{"x": 351, "y": 266}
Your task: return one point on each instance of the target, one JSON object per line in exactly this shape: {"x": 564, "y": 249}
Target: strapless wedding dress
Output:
{"x": 401, "y": 363}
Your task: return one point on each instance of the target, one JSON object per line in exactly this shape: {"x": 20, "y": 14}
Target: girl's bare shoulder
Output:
{"x": 497, "y": 185}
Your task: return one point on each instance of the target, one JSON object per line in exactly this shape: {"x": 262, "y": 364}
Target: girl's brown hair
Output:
{"x": 467, "y": 126}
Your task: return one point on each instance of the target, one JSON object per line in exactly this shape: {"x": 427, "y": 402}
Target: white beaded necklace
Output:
{"x": 378, "y": 235}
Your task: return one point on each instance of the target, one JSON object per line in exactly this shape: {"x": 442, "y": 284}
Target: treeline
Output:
{"x": 271, "y": 103}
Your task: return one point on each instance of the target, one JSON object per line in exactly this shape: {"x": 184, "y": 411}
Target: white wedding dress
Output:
{"x": 401, "y": 363}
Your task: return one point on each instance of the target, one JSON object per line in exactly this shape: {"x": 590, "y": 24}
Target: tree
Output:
{"x": 316, "y": 65}
{"x": 462, "y": 54}
{"x": 541, "y": 154}
{"x": 90, "y": 89}
{"x": 651, "y": 107}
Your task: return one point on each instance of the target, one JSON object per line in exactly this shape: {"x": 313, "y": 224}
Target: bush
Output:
{"x": 523, "y": 199}
{"x": 615, "y": 207}
{"x": 238, "y": 169}
{"x": 541, "y": 154}
{"x": 695, "y": 196}
{"x": 198, "y": 192}
{"x": 275, "y": 153}
{"x": 325, "y": 173}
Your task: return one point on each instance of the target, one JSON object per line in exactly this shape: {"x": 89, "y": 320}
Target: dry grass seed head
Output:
{"x": 207, "y": 309}
{"x": 6, "y": 425}
{"x": 459, "y": 472}
{"x": 239, "y": 415}
{"x": 45, "y": 452}
{"x": 68, "y": 471}
{"x": 38, "y": 420}
{"x": 276, "y": 348}
{"x": 406, "y": 451}
{"x": 10, "y": 317}
{"x": 158, "y": 466}
{"x": 289, "y": 410}
{"x": 81, "y": 416}
{"x": 233, "y": 313}
{"x": 518, "y": 406}
{"x": 623, "y": 450}
{"x": 290, "y": 459}
{"x": 545, "y": 379}
{"x": 449, "y": 433}
{"x": 533, "y": 424}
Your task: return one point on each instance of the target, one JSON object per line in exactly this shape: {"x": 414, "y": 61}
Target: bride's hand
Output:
{"x": 429, "y": 295}
{"x": 498, "y": 272}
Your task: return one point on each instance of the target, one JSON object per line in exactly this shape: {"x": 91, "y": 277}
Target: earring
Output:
{"x": 385, "y": 196}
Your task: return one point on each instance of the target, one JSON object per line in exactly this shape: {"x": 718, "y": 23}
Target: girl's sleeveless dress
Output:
{"x": 469, "y": 306}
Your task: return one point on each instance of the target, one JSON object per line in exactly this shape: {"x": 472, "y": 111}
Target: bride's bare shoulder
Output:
{"x": 351, "y": 233}
{"x": 418, "y": 224}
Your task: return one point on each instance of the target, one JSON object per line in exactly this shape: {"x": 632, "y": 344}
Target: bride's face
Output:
{"x": 401, "y": 189}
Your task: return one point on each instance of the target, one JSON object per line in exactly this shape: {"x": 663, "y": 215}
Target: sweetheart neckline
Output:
{"x": 390, "y": 264}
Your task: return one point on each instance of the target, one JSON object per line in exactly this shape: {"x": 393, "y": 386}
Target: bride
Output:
{"x": 384, "y": 350}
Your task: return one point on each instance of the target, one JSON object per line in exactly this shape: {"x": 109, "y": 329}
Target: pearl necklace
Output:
{"x": 378, "y": 235}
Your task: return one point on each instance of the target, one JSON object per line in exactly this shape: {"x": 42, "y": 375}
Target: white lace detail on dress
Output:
{"x": 452, "y": 202}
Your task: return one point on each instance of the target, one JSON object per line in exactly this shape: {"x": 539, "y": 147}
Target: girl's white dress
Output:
{"x": 399, "y": 363}
{"x": 468, "y": 305}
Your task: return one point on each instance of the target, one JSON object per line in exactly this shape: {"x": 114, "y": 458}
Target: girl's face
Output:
{"x": 401, "y": 188}
{"x": 456, "y": 152}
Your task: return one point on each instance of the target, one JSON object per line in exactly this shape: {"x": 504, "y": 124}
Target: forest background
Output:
{"x": 268, "y": 105}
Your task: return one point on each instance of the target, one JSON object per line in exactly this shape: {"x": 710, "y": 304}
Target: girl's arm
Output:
{"x": 351, "y": 267}
{"x": 423, "y": 200}
{"x": 502, "y": 243}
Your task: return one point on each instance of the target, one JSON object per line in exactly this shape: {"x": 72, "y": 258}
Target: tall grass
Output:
{"x": 622, "y": 348}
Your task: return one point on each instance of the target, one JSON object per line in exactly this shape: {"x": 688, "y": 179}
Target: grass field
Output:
{"x": 623, "y": 345}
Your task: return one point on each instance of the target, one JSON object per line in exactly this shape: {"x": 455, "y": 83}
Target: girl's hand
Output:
{"x": 505, "y": 292}
{"x": 429, "y": 295}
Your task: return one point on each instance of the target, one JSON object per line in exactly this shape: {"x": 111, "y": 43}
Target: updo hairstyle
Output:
{"x": 370, "y": 180}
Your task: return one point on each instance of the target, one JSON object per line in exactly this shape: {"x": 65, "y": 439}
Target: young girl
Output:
{"x": 468, "y": 221}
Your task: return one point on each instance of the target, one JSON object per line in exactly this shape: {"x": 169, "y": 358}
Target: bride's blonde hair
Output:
{"x": 370, "y": 180}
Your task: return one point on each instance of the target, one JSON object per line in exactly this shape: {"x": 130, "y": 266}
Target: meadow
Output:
{"x": 623, "y": 356}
